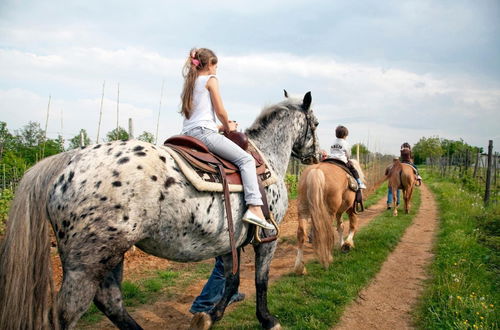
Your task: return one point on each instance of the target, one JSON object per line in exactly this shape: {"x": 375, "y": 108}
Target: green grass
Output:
{"x": 165, "y": 284}
{"x": 317, "y": 300}
{"x": 463, "y": 292}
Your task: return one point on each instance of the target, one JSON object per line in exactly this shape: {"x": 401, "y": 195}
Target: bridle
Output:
{"x": 312, "y": 154}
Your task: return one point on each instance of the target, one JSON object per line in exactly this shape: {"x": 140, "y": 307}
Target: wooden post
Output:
{"x": 117, "y": 110}
{"x": 82, "y": 140}
{"x": 488, "y": 174}
{"x": 159, "y": 109}
{"x": 100, "y": 113}
{"x": 130, "y": 129}
{"x": 45, "y": 131}
{"x": 476, "y": 165}
{"x": 357, "y": 153}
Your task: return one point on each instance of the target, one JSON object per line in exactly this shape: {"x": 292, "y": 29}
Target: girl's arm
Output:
{"x": 220, "y": 111}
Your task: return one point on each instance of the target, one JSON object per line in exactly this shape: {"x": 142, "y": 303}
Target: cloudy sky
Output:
{"x": 391, "y": 71}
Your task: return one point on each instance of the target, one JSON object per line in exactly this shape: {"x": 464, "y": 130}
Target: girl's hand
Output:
{"x": 233, "y": 125}
{"x": 324, "y": 155}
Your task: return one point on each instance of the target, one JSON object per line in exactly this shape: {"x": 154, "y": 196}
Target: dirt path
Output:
{"x": 387, "y": 302}
{"x": 169, "y": 314}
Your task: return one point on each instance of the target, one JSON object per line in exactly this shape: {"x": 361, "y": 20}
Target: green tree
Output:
{"x": 427, "y": 148}
{"x": 363, "y": 150}
{"x": 117, "y": 134}
{"x": 74, "y": 142}
{"x": 27, "y": 142}
{"x": 6, "y": 139}
{"x": 147, "y": 137}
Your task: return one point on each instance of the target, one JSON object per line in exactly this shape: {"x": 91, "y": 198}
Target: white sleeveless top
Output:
{"x": 202, "y": 113}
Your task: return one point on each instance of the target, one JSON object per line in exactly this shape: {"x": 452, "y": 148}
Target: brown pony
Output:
{"x": 324, "y": 193}
{"x": 401, "y": 176}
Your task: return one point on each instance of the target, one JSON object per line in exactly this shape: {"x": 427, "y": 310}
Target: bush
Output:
{"x": 6, "y": 195}
{"x": 291, "y": 182}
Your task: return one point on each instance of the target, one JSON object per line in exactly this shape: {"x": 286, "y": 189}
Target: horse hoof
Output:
{"x": 345, "y": 248}
{"x": 200, "y": 321}
{"x": 300, "y": 270}
{"x": 277, "y": 327}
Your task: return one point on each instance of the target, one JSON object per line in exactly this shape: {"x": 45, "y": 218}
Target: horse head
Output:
{"x": 306, "y": 147}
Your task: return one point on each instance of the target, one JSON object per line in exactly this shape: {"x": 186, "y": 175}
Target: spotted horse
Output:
{"x": 105, "y": 198}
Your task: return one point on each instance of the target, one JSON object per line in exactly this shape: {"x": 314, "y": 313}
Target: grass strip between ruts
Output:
{"x": 464, "y": 289}
{"x": 317, "y": 300}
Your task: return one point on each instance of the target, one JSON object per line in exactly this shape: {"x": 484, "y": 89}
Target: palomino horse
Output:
{"x": 324, "y": 193}
{"x": 401, "y": 176}
{"x": 103, "y": 199}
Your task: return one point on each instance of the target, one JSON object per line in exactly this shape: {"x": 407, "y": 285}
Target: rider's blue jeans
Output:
{"x": 212, "y": 291}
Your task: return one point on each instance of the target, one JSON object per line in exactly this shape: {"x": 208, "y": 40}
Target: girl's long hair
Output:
{"x": 197, "y": 60}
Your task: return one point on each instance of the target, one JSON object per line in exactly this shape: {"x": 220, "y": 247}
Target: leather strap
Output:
{"x": 229, "y": 215}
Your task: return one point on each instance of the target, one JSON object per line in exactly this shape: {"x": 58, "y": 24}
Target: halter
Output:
{"x": 312, "y": 154}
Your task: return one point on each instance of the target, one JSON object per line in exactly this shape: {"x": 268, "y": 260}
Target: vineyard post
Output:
{"x": 130, "y": 129}
{"x": 82, "y": 144}
{"x": 488, "y": 174}
{"x": 476, "y": 165}
{"x": 100, "y": 113}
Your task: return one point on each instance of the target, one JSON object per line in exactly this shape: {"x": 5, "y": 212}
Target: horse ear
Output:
{"x": 286, "y": 93}
{"x": 306, "y": 102}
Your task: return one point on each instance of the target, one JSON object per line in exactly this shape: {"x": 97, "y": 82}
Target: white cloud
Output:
{"x": 390, "y": 105}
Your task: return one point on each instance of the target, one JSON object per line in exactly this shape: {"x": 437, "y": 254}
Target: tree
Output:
{"x": 147, "y": 137}
{"x": 117, "y": 134}
{"x": 363, "y": 150}
{"x": 427, "y": 148}
{"x": 5, "y": 138}
{"x": 74, "y": 142}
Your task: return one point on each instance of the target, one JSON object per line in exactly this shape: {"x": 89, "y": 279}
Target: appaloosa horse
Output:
{"x": 401, "y": 176}
{"x": 103, "y": 199}
{"x": 324, "y": 193}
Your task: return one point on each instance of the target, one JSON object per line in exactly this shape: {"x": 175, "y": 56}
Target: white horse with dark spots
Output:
{"x": 103, "y": 199}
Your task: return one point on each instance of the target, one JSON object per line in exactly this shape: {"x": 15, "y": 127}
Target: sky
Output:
{"x": 391, "y": 71}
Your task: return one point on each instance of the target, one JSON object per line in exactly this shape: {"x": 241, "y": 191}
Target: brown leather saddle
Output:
{"x": 206, "y": 164}
{"x": 358, "y": 199}
{"x": 216, "y": 169}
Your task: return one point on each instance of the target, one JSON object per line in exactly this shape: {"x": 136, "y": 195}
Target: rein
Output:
{"x": 309, "y": 126}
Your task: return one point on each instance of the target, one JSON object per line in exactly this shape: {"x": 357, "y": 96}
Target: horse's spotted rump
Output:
{"x": 123, "y": 160}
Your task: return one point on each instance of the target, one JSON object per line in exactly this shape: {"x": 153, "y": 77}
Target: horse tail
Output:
{"x": 320, "y": 218}
{"x": 26, "y": 286}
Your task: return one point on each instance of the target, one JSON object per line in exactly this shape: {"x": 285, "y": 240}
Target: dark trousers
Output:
{"x": 353, "y": 170}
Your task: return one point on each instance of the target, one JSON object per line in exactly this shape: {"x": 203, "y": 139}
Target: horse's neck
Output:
{"x": 276, "y": 142}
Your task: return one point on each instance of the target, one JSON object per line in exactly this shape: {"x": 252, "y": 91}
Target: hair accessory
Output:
{"x": 195, "y": 62}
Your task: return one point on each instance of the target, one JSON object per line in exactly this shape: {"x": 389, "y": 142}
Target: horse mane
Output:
{"x": 270, "y": 113}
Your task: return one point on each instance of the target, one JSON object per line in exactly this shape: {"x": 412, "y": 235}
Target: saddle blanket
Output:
{"x": 204, "y": 181}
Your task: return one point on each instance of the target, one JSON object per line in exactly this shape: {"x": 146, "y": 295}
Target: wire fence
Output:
{"x": 479, "y": 172}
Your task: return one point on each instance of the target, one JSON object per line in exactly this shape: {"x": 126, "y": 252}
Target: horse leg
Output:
{"x": 408, "y": 199}
{"x": 77, "y": 290}
{"x": 109, "y": 300}
{"x": 340, "y": 229}
{"x": 394, "y": 201}
{"x": 353, "y": 228}
{"x": 263, "y": 255}
{"x": 300, "y": 268}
